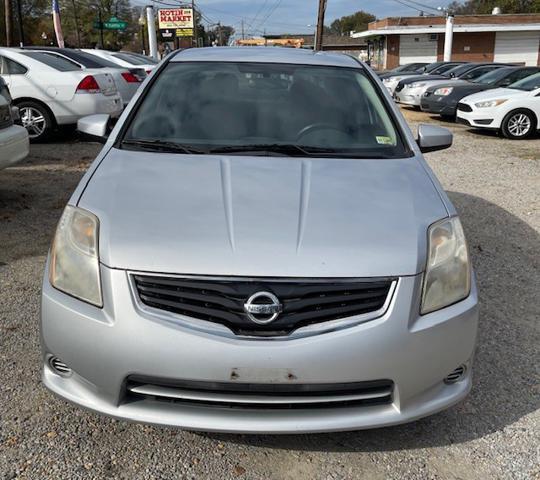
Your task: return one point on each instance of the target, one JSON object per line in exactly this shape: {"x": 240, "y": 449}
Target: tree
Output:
{"x": 470, "y": 7}
{"x": 356, "y": 22}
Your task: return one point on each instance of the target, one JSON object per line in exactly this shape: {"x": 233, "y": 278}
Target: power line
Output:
{"x": 408, "y": 5}
{"x": 270, "y": 13}
{"x": 423, "y": 5}
{"x": 263, "y": 6}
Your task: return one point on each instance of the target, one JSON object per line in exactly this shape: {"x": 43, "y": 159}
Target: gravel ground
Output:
{"x": 495, "y": 433}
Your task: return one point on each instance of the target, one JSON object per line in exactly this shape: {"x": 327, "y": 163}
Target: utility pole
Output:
{"x": 100, "y": 21}
{"x": 152, "y": 37}
{"x": 9, "y": 22}
{"x": 320, "y": 25}
{"x": 219, "y": 34}
{"x": 195, "y": 32}
{"x": 243, "y": 33}
{"x": 21, "y": 28}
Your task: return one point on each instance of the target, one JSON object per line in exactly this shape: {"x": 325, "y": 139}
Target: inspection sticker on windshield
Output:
{"x": 384, "y": 140}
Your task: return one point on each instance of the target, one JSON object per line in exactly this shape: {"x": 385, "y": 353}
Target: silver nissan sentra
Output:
{"x": 260, "y": 247}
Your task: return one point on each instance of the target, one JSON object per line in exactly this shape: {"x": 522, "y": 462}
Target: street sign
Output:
{"x": 114, "y": 24}
{"x": 184, "y": 32}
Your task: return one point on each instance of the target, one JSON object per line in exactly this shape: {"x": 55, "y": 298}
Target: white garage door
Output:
{"x": 517, "y": 47}
{"x": 417, "y": 48}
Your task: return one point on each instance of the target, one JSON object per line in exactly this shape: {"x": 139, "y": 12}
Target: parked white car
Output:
{"x": 13, "y": 138}
{"x": 124, "y": 59}
{"x": 514, "y": 111}
{"x": 52, "y": 91}
{"x": 127, "y": 80}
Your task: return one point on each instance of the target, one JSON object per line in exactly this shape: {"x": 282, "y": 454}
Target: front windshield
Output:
{"x": 457, "y": 71}
{"x": 255, "y": 107}
{"x": 528, "y": 84}
{"x": 443, "y": 69}
{"x": 129, "y": 59}
{"x": 147, "y": 60}
{"x": 492, "y": 77}
{"x": 432, "y": 66}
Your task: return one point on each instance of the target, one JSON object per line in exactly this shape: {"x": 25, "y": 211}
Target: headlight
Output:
{"x": 417, "y": 84}
{"x": 74, "y": 267}
{"x": 490, "y": 103}
{"x": 447, "y": 279}
{"x": 443, "y": 91}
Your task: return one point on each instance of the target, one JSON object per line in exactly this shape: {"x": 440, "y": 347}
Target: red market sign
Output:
{"x": 175, "y": 18}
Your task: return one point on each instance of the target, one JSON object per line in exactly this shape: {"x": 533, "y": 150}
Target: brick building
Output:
{"x": 395, "y": 41}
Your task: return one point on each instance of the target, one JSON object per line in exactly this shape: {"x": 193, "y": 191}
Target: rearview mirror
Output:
{"x": 432, "y": 138}
{"x": 95, "y": 128}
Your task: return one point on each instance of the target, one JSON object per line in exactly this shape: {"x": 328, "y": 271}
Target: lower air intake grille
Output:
{"x": 260, "y": 395}
{"x": 302, "y": 302}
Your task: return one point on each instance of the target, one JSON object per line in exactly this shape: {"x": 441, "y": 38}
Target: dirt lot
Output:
{"x": 495, "y": 433}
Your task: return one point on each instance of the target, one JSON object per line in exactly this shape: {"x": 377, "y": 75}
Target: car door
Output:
{"x": 15, "y": 76}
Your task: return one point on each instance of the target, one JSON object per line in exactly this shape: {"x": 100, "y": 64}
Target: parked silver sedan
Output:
{"x": 260, "y": 247}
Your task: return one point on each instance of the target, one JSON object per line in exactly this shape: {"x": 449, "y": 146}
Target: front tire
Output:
{"x": 36, "y": 119}
{"x": 518, "y": 124}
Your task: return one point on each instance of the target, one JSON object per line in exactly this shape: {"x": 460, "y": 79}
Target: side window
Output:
{"x": 10, "y": 67}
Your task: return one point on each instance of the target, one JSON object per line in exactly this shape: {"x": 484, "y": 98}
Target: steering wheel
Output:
{"x": 315, "y": 127}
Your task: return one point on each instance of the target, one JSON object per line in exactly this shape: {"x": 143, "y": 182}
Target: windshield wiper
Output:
{"x": 163, "y": 146}
{"x": 288, "y": 149}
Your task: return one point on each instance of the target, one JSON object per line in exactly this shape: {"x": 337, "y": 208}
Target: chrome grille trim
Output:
{"x": 176, "y": 319}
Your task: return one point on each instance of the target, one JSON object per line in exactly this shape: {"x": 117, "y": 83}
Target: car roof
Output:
{"x": 265, "y": 55}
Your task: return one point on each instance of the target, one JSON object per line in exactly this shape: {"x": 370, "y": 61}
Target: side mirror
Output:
{"x": 15, "y": 114}
{"x": 95, "y": 128}
{"x": 432, "y": 138}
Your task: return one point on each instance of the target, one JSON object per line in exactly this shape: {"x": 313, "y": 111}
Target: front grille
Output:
{"x": 464, "y": 107}
{"x": 304, "y": 302}
{"x": 259, "y": 395}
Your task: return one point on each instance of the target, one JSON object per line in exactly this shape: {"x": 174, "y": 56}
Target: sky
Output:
{"x": 299, "y": 16}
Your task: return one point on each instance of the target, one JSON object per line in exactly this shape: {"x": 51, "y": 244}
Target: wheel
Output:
{"x": 36, "y": 119}
{"x": 518, "y": 124}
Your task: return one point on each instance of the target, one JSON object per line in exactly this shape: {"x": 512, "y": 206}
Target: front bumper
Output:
{"x": 439, "y": 105}
{"x": 479, "y": 118}
{"x": 104, "y": 347}
{"x": 409, "y": 96}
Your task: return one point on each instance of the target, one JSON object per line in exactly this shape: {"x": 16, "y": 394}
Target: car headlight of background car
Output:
{"x": 74, "y": 266}
{"x": 443, "y": 91}
{"x": 490, "y": 103}
{"x": 447, "y": 279}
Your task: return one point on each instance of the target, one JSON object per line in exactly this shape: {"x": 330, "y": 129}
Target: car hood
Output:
{"x": 422, "y": 78}
{"x": 459, "y": 86}
{"x": 494, "y": 94}
{"x": 441, "y": 81}
{"x": 262, "y": 216}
